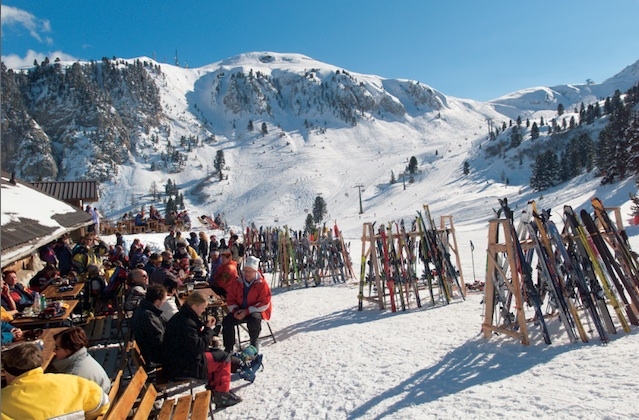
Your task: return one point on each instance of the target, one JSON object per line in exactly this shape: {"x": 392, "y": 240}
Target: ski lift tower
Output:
{"x": 360, "y": 188}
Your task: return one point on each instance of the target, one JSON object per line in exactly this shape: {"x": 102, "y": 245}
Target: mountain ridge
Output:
{"x": 320, "y": 120}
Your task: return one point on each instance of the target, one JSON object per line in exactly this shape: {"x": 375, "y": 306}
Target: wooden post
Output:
{"x": 369, "y": 253}
{"x": 446, "y": 225}
{"x": 507, "y": 273}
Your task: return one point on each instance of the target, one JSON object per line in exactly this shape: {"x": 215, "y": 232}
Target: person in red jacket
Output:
{"x": 248, "y": 301}
{"x": 225, "y": 275}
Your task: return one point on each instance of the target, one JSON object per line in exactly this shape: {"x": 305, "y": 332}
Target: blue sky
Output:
{"x": 469, "y": 49}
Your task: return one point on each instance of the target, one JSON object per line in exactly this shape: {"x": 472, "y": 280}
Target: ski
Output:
{"x": 592, "y": 266}
{"x": 572, "y": 270}
{"x": 618, "y": 278}
{"x": 526, "y": 271}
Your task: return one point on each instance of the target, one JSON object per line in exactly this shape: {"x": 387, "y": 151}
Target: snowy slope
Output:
{"x": 277, "y": 176}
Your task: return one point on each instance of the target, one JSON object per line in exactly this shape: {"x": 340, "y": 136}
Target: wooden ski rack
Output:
{"x": 374, "y": 275}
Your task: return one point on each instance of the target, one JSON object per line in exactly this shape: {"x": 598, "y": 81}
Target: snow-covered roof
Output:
{"x": 31, "y": 219}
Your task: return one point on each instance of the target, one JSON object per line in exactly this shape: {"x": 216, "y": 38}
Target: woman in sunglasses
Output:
{"x": 72, "y": 357}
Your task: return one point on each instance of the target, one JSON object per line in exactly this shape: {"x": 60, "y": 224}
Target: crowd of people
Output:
{"x": 171, "y": 219}
{"x": 185, "y": 339}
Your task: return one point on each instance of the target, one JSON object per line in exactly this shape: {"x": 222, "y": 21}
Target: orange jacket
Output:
{"x": 258, "y": 298}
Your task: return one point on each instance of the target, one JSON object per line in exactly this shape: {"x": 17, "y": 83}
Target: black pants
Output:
{"x": 253, "y": 324}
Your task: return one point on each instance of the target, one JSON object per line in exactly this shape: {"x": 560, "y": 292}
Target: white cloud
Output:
{"x": 13, "y": 61}
{"x": 12, "y": 16}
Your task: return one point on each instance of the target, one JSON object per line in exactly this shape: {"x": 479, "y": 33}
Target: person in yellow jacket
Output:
{"x": 32, "y": 394}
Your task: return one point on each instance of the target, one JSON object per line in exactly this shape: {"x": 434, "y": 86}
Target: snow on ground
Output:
{"x": 333, "y": 362}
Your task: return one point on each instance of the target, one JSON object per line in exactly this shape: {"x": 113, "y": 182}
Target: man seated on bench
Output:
{"x": 32, "y": 394}
{"x": 140, "y": 281}
{"x": 186, "y": 350}
{"x": 148, "y": 326}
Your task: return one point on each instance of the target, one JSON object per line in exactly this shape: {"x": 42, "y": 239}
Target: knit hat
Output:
{"x": 252, "y": 262}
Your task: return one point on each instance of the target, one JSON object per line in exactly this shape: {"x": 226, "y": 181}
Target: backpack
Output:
{"x": 116, "y": 281}
{"x": 240, "y": 250}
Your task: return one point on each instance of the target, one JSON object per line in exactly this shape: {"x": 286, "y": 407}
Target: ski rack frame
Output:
{"x": 518, "y": 329}
{"x": 446, "y": 225}
{"x": 502, "y": 267}
{"x": 370, "y": 252}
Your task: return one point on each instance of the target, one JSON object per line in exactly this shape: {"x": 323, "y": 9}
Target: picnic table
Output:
{"x": 26, "y": 322}
{"x": 55, "y": 292}
{"x": 213, "y": 299}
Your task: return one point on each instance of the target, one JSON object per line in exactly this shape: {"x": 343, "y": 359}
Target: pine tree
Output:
{"x": 412, "y": 165}
{"x": 219, "y": 162}
{"x": 168, "y": 188}
{"x": 319, "y": 209}
{"x": 264, "y": 129}
{"x": 613, "y": 146}
{"x": 546, "y": 171}
{"x": 632, "y": 139}
{"x": 581, "y": 153}
{"x": 309, "y": 225}
{"x": 566, "y": 170}
{"x": 515, "y": 137}
{"x": 560, "y": 110}
{"x": 170, "y": 205}
{"x": 573, "y": 123}
{"x": 534, "y": 131}
{"x": 466, "y": 168}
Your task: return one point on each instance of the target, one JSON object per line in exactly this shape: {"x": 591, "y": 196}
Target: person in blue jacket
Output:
{"x": 10, "y": 333}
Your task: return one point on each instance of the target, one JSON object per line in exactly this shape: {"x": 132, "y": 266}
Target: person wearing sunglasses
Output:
{"x": 72, "y": 357}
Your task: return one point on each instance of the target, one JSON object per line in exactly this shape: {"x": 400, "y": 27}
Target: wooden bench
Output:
{"x": 113, "y": 393}
{"x": 122, "y": 407}
{"x": 187, "y": 407}
{"x": 107, "y": 229}
{"x": 152, "y": 225}
{"x": 109, "y": 358}
{"x": 164, "y": 386}
{"x": 138, "y": 229}
{"x": 99, "y": 328}
{"x": 193, "y": 406}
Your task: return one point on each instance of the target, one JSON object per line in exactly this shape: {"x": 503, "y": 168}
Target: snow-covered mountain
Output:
{"x": 290, "y": 127}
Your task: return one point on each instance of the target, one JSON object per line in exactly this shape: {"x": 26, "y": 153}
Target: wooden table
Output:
{"x": 125, "y": 226}
{"x": 152, "y": 225}
{"x": 49, "y": 344}
{"x": 211, "y": 296}
{"x": 27, "y": 322}
{"x": 48, "y": 353}
{"x": 53, "y": 292}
